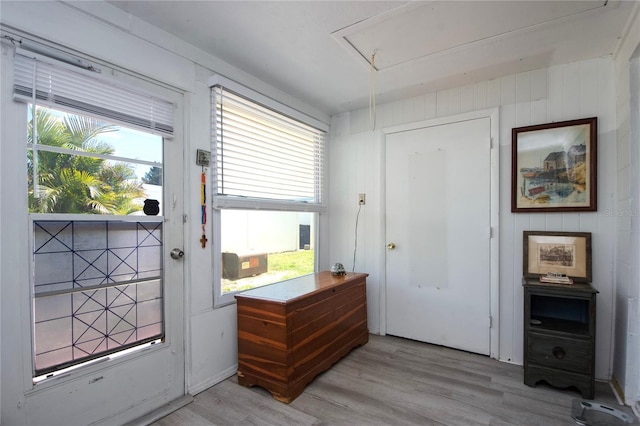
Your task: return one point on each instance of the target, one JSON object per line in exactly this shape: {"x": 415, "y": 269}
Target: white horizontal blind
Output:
{"x": 264, "y": 159}
{"x": 57, "y": 86}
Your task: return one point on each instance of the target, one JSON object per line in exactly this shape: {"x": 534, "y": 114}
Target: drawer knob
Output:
{"x": 558, "y": 352}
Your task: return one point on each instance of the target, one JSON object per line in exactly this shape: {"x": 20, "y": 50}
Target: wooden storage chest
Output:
{"x": 291, "y": 331}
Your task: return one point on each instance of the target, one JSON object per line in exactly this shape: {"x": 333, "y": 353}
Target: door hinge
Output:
{"x": 490, "y": 232}
{"x": 184, "y": 218}
{"x": 490, "y": 321}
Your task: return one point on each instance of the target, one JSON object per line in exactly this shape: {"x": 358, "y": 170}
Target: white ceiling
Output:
{"x": 320, "y": 52}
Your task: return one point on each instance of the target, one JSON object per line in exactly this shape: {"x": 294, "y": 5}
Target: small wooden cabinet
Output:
{"x": 559, "y": 335}
{"x": 291, "y": 331}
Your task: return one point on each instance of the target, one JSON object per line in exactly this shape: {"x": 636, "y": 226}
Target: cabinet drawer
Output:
{"x": 560, "y": 352}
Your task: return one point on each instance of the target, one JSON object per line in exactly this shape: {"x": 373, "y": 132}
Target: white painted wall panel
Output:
{"x": 570, "y": 91}
{"x": 508, "y": 90}
{"x": 555, "y": 98}
{"x": 443, "y": 105}
{"x": 493, "y": 93}
{"x": 539, "y": 84}
{"x": 430, "y": 106}
{"x": 408, "y": 112}
{"x": 589, "y": 106}
{"x": 627, "y": 250}
{"x": 214, "y": 348}
{"x": 523, "y": 87}
{"x": 480, "y": 96}
{"x": 457, "y": 97}
{"x": 419, "y": 106}
{"x": 347, "y": 181}
{"x": 200, "y": 277}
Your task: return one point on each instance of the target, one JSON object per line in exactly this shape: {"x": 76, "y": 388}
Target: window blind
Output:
{"x": 264, "y": 158}
{"x": 57, "y": 86}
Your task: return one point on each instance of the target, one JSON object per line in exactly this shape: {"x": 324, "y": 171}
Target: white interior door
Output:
{"x": 438, "y": 217}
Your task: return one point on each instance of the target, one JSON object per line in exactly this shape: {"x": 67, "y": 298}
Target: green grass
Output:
{"x": 297, "y": 262}
{"x": 280, "y": 267}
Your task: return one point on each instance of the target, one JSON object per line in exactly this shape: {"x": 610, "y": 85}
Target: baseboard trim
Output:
{"x": 163, "y": 411}
{"x": 223, "y": 375}
{"x": 617, "y": 390}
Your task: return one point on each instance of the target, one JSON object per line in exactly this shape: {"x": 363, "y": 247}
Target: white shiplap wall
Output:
{"x": 626, "y": 367}
{"x": 575, "y": 90}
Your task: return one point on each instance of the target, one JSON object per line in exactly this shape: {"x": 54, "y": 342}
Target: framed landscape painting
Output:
{"x": 553, "y": 167}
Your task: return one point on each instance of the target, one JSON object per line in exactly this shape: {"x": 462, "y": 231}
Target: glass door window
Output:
{"x": 97, "y": 258}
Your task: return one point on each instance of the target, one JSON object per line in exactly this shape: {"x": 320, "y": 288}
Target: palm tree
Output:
{"x": 77, "y": 183}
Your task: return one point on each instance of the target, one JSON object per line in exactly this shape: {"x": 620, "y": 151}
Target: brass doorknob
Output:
{"x": 391, "y": 246}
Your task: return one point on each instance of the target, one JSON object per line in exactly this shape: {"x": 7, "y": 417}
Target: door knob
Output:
{"x": 391, "y": 246}
{"x": 176, "y": 253}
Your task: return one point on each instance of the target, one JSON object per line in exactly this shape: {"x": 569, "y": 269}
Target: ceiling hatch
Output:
{"x": 424, "y": 30}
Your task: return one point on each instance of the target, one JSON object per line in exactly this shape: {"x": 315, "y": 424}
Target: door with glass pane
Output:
{"x": 105, "y": 211}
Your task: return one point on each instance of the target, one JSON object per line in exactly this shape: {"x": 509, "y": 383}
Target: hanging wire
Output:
{"x": 372, "y": 92}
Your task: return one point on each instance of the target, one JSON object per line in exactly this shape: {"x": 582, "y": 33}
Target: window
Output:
{"x": 83, "y": 165}
{"x": 94, "y": 156}
{"x": 267, "y": 189}
{"x": 261, "y": 247}
{"x": 84, "y": 155}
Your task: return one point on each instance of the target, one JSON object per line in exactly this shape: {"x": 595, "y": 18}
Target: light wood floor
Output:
{"x": 393, "y": 381}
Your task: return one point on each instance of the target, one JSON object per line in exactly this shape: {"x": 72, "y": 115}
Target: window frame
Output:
{"x": 220, "y": 299}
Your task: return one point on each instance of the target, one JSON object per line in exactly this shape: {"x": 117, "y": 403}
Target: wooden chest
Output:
{"x": 291, "y": 331}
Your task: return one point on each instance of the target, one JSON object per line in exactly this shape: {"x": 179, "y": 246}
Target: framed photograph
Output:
{"x": 565, "y": 253}
{"x": 553, "y": 167}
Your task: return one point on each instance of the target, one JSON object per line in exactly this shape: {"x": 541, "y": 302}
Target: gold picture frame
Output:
{"x": 566, "y": 253}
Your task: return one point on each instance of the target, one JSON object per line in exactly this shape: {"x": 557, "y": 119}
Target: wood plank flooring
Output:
{"x": 394, "y": 381}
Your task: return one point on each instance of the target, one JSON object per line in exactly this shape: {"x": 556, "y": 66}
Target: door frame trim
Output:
{"x": 494, "y": 302}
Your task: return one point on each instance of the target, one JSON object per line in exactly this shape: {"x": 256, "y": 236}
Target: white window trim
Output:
{"x": 266, "y": 101}
{"x": 220, "y": 299}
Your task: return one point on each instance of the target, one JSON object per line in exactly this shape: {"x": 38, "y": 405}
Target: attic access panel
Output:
{"x": 419, "y": 29}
